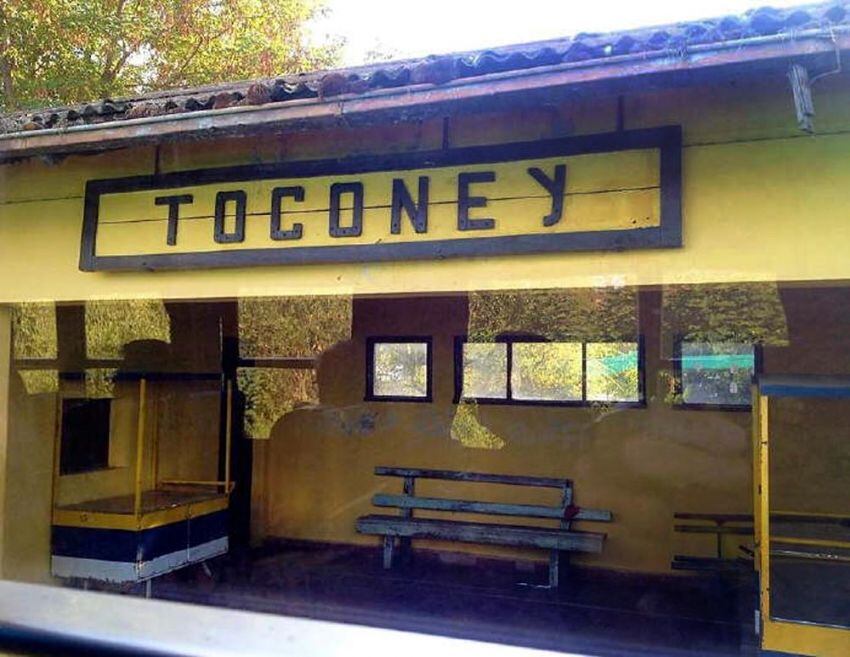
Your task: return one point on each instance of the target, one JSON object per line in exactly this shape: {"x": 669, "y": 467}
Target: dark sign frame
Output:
{"x": 668, "y": 234}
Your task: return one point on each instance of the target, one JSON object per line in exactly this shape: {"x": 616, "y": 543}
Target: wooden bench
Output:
{"x": 717, "y": 525}
{"x": 787, "y": 529}
{"x": 555, "y": 539}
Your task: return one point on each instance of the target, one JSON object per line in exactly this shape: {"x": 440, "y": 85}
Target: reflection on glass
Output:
{"x": 468, "y": 430}
{"x": 35, "y": 331}
{"x": 558, "y": 315}
{"x": 717, "y": 373}
{"x": 112, "y": 324}
{"x": 100, "y": 382}
{"x": 271, "y": 393}
{"x": 39, "y": 382}
{"x": 292, "y": 326}
{"x": 400, "y": 369}
{"x": 546, "y": 371}
{"x": 613, "y": 374}
{"x": 485, "y": 370}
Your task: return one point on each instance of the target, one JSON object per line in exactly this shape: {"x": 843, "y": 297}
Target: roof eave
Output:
{"x": 423, "y": 101}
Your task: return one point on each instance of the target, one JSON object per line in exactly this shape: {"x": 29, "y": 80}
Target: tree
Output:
{"x": 66, "y": 51}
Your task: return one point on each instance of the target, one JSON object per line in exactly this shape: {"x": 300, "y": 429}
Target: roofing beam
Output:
{"x": 492, "y": 91}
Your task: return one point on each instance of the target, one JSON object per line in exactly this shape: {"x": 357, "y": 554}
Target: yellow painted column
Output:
{"x": 5, "y": 368}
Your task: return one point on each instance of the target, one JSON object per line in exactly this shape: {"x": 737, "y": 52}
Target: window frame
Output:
{"x": 510, "y": 339}
{"x": 678, "y": 378}
{"x": 371, "y": 341}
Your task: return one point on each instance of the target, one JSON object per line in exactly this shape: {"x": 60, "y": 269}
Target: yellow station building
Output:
{"x": 586, "y": 259}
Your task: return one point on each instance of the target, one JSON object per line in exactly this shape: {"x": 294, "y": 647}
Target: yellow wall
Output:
{"x": 750, "y": 178}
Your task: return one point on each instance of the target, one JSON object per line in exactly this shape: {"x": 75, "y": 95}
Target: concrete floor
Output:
{"x": 594, "y": 612}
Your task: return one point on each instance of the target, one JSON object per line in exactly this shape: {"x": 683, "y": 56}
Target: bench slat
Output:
{"x": 722, "y": 529}
{"x": 489, "y": 508}
{"x": 471, "y": 532}
{"x": 714, "y": 517}
{"x": 704, "y": 564}
{"x": 451, "y": 475}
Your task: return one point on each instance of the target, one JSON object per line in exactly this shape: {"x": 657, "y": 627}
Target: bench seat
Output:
{"x": 481, "y": 532}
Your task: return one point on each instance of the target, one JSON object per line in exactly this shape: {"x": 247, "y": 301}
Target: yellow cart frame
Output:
{"x": 132, "y": 539}
{"x": 783, "y": 635}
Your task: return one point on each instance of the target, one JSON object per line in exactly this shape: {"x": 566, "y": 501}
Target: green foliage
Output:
{"x": 34, "y": 330}
{"x": 746, "y": 313}
{"x": 605, "y": 318}
{"x": 112, "y": 324}
{"x": 584, "y": 314}
{"x": 39, "y": 382}
{"x": 288, "y": 327}
{"x": 612, "y": 371}
{"x": 401, "y": 369}
{"x": 272, "y": 393}
{"x": 469, "y": 432}
{"x": 292, "y": 327}
{"x": 547, "y": 371}
{"x": 485, "y": 369}
{"x": 65, "y": 51}
{"x": 100, "y": 382}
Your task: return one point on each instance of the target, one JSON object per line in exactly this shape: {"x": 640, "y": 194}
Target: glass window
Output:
{"x": 717, "y": 374}
{"x": 546, "y": 371}
{"x": 485, "y": 370}
{"x": 399, "y": 369}
{"x": 550, "y": 372}
{"x": 613, "y": 373}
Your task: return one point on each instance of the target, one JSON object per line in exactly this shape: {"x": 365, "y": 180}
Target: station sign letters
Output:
{"x": 611, "y": 191}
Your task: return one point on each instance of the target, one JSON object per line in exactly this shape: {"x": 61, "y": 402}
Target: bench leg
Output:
{"x": 389, "y": 544}
{"x": 554, "y": 568}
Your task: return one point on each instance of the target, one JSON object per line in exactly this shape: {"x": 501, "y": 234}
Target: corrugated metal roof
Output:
{"x": 436, "y": 70}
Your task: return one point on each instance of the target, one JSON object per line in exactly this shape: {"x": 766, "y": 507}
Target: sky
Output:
{"x": 414, "y": 28}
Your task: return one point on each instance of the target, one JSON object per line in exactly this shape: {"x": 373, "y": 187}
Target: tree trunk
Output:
{"x": 9, "y": 101}
{"x": 8, "y": 85}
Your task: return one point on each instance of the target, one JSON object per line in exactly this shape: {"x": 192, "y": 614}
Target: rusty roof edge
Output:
{"x": 17, "y": 144}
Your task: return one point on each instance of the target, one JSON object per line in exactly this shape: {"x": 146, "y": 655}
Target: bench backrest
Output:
{"x": 565, "y": 512}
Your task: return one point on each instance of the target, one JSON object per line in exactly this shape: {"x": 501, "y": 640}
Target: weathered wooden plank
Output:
{"x": 471, "y": 532}
{"x": 777, "y": 516}
{"x": 487, "y": 508}
{"x": 554, "y": 569}
{"x": 714, "y": 517}
{"x": 407, "y": 512}
{"x": 451, "y": 475}
{"x": 389, "y": 544}
{"x": 704, "y": 564}
{"x": 714, "y": 529}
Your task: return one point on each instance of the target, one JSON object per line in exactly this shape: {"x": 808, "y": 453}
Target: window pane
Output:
{"x": 612, "y": 371}
{"x": 485, "y": 370}
{"x": 400, "y": 369}
{"x": 546, "y": 371}
{"x": 718, "y": 373}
